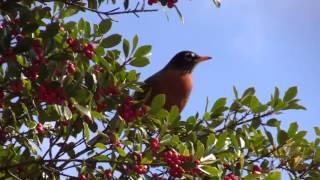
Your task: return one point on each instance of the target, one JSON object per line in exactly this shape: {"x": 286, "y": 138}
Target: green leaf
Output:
{"x": 139, "y": 62}
{"x": 51, "y": 30}
{"x": 121, "y": 152}
{"x": 293, "y": 129}
{"x": 211, "y": 140}
{"x": 83, "y": 110}
{"x": 142, "y": 51}
{"x": 105, "y": 25}
{"x": 30, "y": 123}
{"x": 273, "y": 122}
{"x": 269, "y": 136}
{"x": 252, "y": 177}
{"x": 221, "y": 140}
{"x": 256, "y": 106}
{"x": 317, "y": 156}
{"x": 165, "y": 140}
{"x": 101, "y": 157}
{"x": 92, "y": 4}
{"x": 200, "y": 150}
{"x": 274, "y": 175}
{"x": 157, "y": 103}
{"x": 275, "y": 98}
{"x": 135, "y": 42}
{"x": 219, "y": 105}
{"x": 174, "y": 115}
{"x": 217, "y": 3}
{"x": 290, "y": 93}
{"x": 67, "y": 113}
{"x": 68, "y": 12}
{"x": 248, "y": 92}
{"x": 126, "y": 47}
{"x": 282, "y": 137}
{"x": 86, "y": 131}
{"x": 235, "y": 92}
{"x": 209, "y": 170}
{"x": 100, "y": 146}
{"x": 111, "y": 41}
{"x": 317, "y": 130}
{"x": 126, "y": 4}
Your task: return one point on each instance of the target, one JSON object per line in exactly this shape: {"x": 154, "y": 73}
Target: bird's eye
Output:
{"x": 190, "y": 56}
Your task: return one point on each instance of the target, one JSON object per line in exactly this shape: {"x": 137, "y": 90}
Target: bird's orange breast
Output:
{"x": 176, "y": 85}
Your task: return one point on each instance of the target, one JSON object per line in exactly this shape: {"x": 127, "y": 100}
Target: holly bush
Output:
{"x": 67, "y": 109}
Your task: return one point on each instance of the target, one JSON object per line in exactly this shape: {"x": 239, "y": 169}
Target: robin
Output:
{"x": 174, "y": 80}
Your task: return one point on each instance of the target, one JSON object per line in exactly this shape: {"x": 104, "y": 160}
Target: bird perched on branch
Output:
{"x": 174, "y": 80}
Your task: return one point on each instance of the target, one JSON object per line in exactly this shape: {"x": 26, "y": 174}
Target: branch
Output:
{"x": 73, "y": 160}
{"x": 112, "y": 12}
{"x": 242, "y": 121}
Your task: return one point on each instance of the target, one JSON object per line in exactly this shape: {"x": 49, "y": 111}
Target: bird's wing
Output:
{"x": 149, "y": 84}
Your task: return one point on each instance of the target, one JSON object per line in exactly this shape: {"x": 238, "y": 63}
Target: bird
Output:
{"x": 174, "y": 80}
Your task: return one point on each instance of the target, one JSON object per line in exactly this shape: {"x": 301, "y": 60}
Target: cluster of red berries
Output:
{"x": 175, "y": 162}
{"x": 51, "y": 95}
{"x": 129, "y": 111}
{"x": 88, "y": 48}
{"x": 154, "y": 144}
{"x": 230, "y": 176}
{"x": 32, "y": 72}
{"x": 170, "y": 3}
{"x": 16, "y": 86}
{"x": 140, "y": 168}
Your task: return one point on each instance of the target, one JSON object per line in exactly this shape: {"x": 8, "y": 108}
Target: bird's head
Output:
{"x": 186, "y": 61}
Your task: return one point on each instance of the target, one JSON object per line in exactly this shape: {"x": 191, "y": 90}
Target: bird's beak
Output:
{"x": 203, "y": 58}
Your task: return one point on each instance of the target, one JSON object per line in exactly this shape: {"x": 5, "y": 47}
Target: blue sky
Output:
{"x": 254, "y": 43}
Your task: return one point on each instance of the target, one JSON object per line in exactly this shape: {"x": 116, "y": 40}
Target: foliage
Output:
{"x": 65, "y": 104}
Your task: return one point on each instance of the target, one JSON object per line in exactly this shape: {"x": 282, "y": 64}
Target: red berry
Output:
{"x": 108, "y": 173}
{"x": 226, "y": 166}
{"x": 89, "y": 46}
{"x": 3, "y": 135}
{"x": 87, "y": 119}
{"x": 70, "y": 41}
{"x": 36, "y": 43}
{"x": 83, "y": 177}
{"x": 16, "y": 86}
{"x": 197, "y": 162}
{"x": 89, "y": 54}
{"x": 71, "y": 68}
{"x": 230, "y": 176}
{"x": 256, "y": 169}
{"x": 101, "y": 107}
{"x": 113, "y": 90}
{"x": 1, "y": 94}
{"x": 140, "y": 168}
{"x": 40, "y": 128}
{"x": 154, "y": 144}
